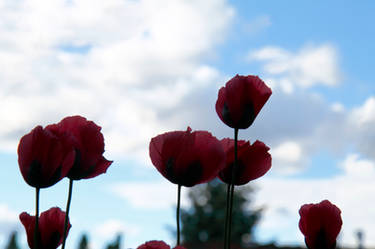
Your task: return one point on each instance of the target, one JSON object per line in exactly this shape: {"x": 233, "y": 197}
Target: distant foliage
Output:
{"x": 84, "y": 242}
{"x": 13, "y": 243}
{"x": 116, "y": 244}
{"x": 203, "y": 223}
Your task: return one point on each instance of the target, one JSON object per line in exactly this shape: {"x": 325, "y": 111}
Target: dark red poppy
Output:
{"x": 45, "y": 157}
{"x": 253, "y": 161}
{"x": 51, "y": 228}
{"x": 320, "y": 224}
{"x": 154, "y": 244}
{"x": 88, "y": 142}
{"x": 240, "y": 101}
{"x": 187, "y": 158}
{"x": 157, "y": 244}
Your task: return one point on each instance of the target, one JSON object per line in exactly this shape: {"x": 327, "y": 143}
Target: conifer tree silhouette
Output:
{"x": 203, "y": 223}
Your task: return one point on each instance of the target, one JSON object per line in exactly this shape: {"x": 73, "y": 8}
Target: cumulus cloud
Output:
{"x": 311, "y": 65}
{"x": 120, "y": 63}
{"x": 352, "y": 191}
{"x": 288, "y": 157}
{"x": 361, "y": 127}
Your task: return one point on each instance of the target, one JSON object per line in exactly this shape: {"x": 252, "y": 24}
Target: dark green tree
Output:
{"x": 116, "y": 244}
{"x": 203, "y": 223}
{"x": 84, "y": 242}
{"x": 13, "y": 244}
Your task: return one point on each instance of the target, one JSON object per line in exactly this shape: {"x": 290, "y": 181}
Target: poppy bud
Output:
{"x": 320, "y": 224}
{"x": 154, "y": 244}
{"x": 44, "y": 157}
{"x": 51, "y": 228}
{"x": 241, "y": 99}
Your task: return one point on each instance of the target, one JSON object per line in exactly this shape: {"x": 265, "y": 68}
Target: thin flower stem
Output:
{"x": 227, "y": 218}
{"x": 234, "y": 170}
{"x": 67, "y": 212}
{"x": 230, "y": 215}
{"x": 36, "y": 230}
{"x": 178, "y": 213}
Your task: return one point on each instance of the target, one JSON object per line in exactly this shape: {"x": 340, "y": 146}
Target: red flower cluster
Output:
{"x": 51, "y": 228}
{"x": 74, "y": 148}
{"x": 189, "y": 158}
{"x": 320, "y": 224}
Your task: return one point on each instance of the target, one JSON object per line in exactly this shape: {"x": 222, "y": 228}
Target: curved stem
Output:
{"x": 36, "y": 230}
{"x": 234, "y": 170}
{"x": 67, "y": 212}
{"x": 178, "y": 213}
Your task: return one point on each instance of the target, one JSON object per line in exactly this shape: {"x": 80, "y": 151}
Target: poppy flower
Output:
{"x": 88, "y": 142}
{"x": 157, "y": 244}
{"x": 154, "y": 244}
{"x": 51, "y": 228}
{"x": 320, "y": 224}
{"x": 241, "y": 99}
{"x": 187, "y": 158}
{"x": 45, "y": 157}
{"x": 253, "y": 161}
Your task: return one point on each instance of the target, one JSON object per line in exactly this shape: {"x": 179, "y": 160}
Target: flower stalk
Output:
{"x": 36, "y": 231}
{"x": 231, "y": 195}
{"x": 178, "y": 213}
{"x": 67, "y": 212}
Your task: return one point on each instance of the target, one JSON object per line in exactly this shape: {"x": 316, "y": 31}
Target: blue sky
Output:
{"x": 140, "y": 68}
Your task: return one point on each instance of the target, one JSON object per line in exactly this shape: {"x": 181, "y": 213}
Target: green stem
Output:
{"x": 67, "y": 212}
{"x": 230, "y": 215}
{"x": 234, "y": 170}
{"x": 178, "y": 213}
{"x": 36, "y": 230}
{"x": 227, "y": 218}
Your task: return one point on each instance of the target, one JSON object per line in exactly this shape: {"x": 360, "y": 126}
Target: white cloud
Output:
{"x": 7, "y": 214}
{"x": 287, "y": 157}
{"x": 360, "y": 130}
{"x": 352, "y": 192}
{"x": 288, "y": 151}
{"x": 162, "y": 194}
{"x": 142, "y": 58}
{"x": 365, "y": 114}
{"x": 311, "y": 65}
{"x": 357, "y": 167}
{"x": 337, "y": 107}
